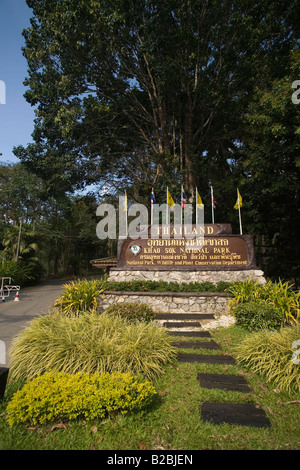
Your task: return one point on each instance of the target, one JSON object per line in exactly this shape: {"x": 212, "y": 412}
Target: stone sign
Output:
{"x": 216, "y": 249}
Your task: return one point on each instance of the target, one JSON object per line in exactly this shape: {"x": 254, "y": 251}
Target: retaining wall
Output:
{"x": 171, "y": 302}
{"x": 182, "y": 276}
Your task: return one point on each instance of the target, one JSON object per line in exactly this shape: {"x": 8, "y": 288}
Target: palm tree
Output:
{"x": 20, "y": 242}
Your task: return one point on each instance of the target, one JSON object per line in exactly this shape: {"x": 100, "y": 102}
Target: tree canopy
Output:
{"x": 145, "y": 93}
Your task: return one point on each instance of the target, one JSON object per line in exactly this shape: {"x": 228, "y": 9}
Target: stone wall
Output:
{"x": 172, "y": 302}
{"x": 116, "y": 274}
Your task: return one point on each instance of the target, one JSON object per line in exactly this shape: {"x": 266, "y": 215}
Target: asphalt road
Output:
{"x": 14, "y": 316}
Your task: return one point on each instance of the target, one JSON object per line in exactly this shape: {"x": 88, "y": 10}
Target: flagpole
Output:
{"x": 167, "y": 209}
{"x": 212, "y": 205}
{"x": 151, "y": 202}
{"x": 181, "y": 204}
{"x": 196, "y": 207}
{"x": 240, "y": 217}
{"x": 126, "y": 215}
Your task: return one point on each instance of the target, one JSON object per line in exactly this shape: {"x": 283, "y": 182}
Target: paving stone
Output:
{"x": 184, "y": 316}
{"x": 235, "y": 383}
{"x": 185, "y": 324}
{"x": 200, "y": 334}
{"x": 205, "y": 358}
{"x": 197, "y": 344}
{"x": 243, "y": 414}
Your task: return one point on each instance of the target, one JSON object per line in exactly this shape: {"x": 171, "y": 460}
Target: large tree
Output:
{"x": 138, "y": 91}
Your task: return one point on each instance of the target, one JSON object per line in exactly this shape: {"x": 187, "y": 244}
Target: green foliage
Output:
{"x": 22, "y": 273}
{"x": 90, "y": 343}
{"x": 79, "y": 296}
{"x": 60, "y": 396}
{"x": 132, "y": 311}
{"x": 270, "y": 354}
{"x": 164, "y": 286}
{"x": 256, "y": 316}
{"x": 279, "y": 294}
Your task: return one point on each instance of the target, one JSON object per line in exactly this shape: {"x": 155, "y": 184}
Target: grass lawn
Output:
{"x": 174, "y": 420}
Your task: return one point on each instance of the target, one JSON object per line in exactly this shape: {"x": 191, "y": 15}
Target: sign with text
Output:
{"x": 212, "y": 252}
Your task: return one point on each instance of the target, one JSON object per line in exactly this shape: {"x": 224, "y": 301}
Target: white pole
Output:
{"x": 212, "y": 205}
{"x": 240, "y": 217}
{"x": 126, "y": 215}
{"x": 181, "y": 204}
{"x": 196, "y": 207}
{"x": 19, "y": 239}
{"x": 167, "y": 209}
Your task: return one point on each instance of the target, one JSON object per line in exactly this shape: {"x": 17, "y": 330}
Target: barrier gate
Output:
{"x": 6, "y": 288}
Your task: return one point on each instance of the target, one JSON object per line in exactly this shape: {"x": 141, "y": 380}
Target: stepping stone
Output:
{"x": 235, "y": 383}
{"x": 205, "y": 358}
{"x": 243, "y": 414}
{"x": 197, "y": 344}
{"x": 179, "y": 324}
{"x": 202, "y": 334}
{"x": 185, "y": 316}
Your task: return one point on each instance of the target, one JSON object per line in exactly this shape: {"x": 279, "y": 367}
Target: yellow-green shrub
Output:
{"x": 270, "y": 353}
{"x": 57, "y": 396}
{"x": 279, "y": 294}
{"x": 80, "y": 296}
{"x": 90, "y": 343}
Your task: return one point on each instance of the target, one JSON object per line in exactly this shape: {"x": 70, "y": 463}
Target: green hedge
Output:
{"x": 255, "y": 316}
{"x": 164, "y": 286}
{"x": 132, "y": 311}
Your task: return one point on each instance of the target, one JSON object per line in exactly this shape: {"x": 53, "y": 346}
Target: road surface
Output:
{"x": 14, "y": 316}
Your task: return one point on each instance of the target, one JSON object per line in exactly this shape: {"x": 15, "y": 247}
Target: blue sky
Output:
{"x": 16, "y": 115}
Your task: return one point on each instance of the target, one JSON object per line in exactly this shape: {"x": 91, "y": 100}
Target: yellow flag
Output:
{"x": 238, "y": 201}
{"x": 125, "y": 203}
{"x": 170, "y": 201}
{"x": 199, "y": 202}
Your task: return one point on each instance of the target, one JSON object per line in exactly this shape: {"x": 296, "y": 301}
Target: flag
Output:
{"x": 199, "y": 202}
{"x": 213, "y": 201}
{"x": 183, "y": 198}
{"x": 238, "y": 201}
{"x": 125, "y": 203}
{"x": 170, "y": 200}
{"x": 152, "y": 197}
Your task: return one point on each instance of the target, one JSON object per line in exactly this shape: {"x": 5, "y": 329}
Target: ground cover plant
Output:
{"x": 173, "y": 421}
{"x": 90, "y": 343}
{"x": 53, "y": 396}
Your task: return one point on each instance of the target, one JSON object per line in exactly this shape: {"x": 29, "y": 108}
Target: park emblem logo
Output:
{"x": 135, "y": 249}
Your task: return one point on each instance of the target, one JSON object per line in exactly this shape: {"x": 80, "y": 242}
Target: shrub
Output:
{"x": 279, "y": 294}
{"x": 271, "y": 355}
{"x": 57, "y": 396}
{"x": 255, "y": 316}
{"x": 132, "y": 311}
{"x": 79, "y": 296}
{"x": 22, "y": 273}
{"x": 164, "y": 286}
{"x": 89, "y": 343}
